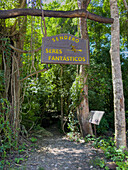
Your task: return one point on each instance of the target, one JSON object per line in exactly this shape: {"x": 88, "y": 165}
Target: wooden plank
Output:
{"x": 64, "y": 49}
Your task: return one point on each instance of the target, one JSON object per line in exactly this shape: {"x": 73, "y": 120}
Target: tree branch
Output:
{"x": 14, "y": 27}
{"x": 24, "y": 51}
{"x": 36, "y": 72}
{"x": 125, "y": 4}
{"x": 23, "y": 4}
{"x": 81, "y": 13}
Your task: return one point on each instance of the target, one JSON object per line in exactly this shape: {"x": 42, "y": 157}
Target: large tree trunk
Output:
{"x": 18, "y": 42}
{"x": 12, "y": 66}
{"x": 119, "y": 108}
{"x": 83, "y": 110}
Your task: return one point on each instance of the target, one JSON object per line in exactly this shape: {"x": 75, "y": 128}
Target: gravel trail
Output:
{"x": 59, "y": 153}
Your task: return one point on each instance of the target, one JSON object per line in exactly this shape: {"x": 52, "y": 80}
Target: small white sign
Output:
{"x": 95, "y": 117}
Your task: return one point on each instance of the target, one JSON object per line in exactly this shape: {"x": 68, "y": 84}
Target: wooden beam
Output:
{"x": 81, "y": 13}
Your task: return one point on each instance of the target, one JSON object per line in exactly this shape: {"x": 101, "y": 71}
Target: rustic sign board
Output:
{"x": 95, "y": 117}
{"x": 64, "y": 49}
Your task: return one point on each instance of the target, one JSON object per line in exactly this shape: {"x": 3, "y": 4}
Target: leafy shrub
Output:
{"x": 119, "y": 156}
{"x": 7, "y": 137}
{"x": 33, "y": 140}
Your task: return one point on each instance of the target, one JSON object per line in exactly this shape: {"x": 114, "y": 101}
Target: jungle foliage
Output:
{"x": 40, "y": 94}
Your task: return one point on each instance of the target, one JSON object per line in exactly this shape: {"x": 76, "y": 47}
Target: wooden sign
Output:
{"x": 95, "y": 117}
{"x": 64, "y": 49}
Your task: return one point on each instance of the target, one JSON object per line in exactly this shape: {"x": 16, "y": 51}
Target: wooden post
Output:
{"x": 62, "y": 109}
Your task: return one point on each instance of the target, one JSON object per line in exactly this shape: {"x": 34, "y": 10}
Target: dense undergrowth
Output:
{"x": 8, "y": 139}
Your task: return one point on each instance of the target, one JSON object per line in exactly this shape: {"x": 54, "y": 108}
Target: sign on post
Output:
{"x": 64, "y": 49}
{"x": 95, "y": 117}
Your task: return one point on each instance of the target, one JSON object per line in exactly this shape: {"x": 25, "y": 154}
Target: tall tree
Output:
{"x": 12, "y": 65}
{"x": 119, "y": 108}
{"x": 83, "y": 109}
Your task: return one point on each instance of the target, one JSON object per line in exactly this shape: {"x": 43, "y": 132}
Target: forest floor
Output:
{"x": 57, "y": 152}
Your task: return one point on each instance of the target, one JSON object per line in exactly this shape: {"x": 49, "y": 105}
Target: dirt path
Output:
{"x": 59, "y": 153}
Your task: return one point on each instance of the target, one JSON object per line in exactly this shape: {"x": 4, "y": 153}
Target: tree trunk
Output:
{"x": 83, "y": 110}
{"x": 119, "y": 108}
{"x": 12, "y": 67}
